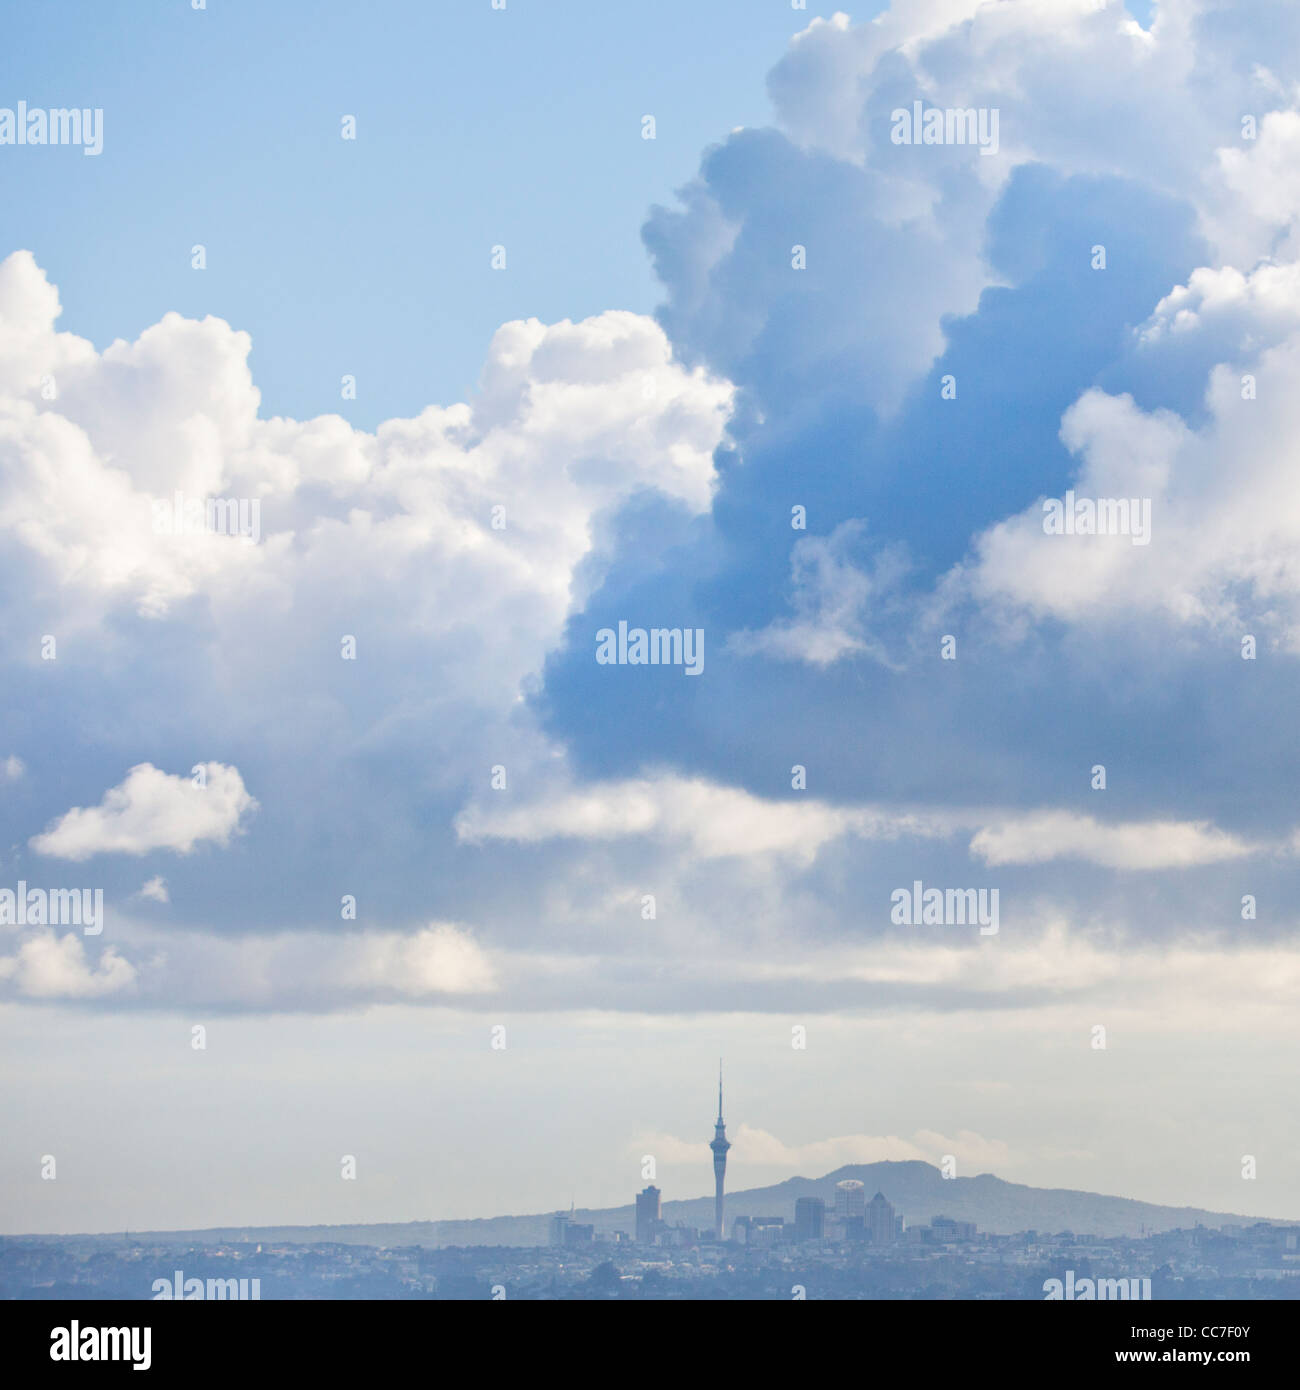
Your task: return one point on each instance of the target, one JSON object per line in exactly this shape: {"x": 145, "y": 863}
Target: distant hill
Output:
{"x": 916, "y": 1189}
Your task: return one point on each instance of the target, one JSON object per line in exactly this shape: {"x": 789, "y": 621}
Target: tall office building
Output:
{"x": 719, "y": 1147}
{"x": 881, "y": 1221}
{"x": 809, "y": 1218}
{"x": 850, "y": 1199}
{"x": 649, "y": 1215}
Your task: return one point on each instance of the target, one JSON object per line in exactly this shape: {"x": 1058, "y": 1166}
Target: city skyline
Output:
{"x": 923, "y": 1198}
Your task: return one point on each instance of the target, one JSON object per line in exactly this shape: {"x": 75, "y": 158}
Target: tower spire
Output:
{"x": 720, "y": 1145}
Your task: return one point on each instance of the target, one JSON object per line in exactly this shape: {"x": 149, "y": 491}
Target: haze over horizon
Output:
{"x": 915, "y": 1188}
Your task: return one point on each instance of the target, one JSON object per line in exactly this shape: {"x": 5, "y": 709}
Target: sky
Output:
{"x": 475, "y": 127}
{"x": 393, "y": 865}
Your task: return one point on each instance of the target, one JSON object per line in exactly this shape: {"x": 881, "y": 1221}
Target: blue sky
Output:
{"x": 475, "y": 127}
{"x": 356, "y": 789}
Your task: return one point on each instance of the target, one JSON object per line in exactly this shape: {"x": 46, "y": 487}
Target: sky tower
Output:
{"x": 719, "y": 1147}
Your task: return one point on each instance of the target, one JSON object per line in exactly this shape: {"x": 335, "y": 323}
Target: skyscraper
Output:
{"x": 881, "y": 1221}
{"x": 809, "y": 1218}
{"x": 649, "y": 1215}
{"x": 719, "y": 1147}
{"x": 560, "y": 1227}
{"x": 850, "y": 1198}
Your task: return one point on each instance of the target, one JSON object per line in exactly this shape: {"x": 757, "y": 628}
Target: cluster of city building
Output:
{"x": 850, "y": 1218}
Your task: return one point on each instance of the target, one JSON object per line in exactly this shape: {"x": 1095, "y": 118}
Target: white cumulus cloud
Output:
{"x": 47, "y": 966}
{"x": 152, "y": 810}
